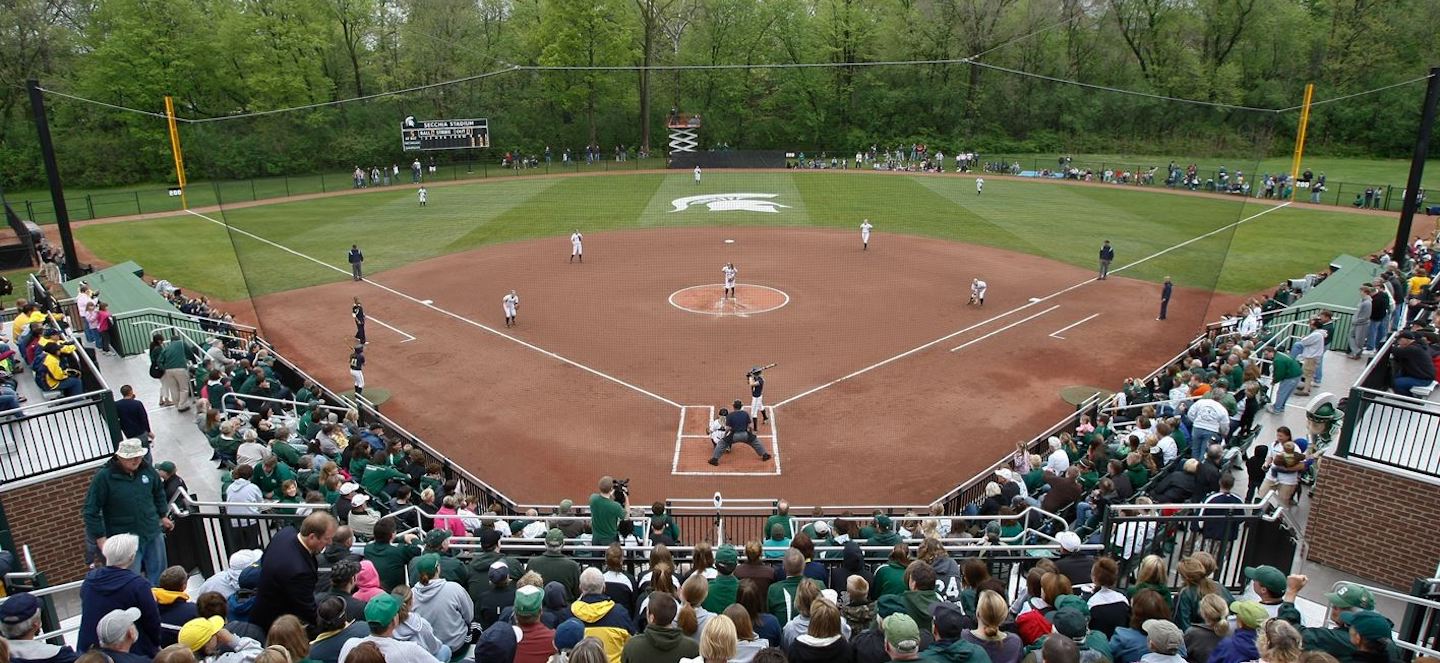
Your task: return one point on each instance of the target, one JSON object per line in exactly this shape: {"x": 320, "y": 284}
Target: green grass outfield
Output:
{"x": 1056, "y": 221}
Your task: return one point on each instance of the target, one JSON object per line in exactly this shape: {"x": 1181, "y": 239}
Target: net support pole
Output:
{"x": 1300, "y": 137}
{"x": 1417, "y": 166}
{"x": 175, "y": 148}
{"x": 52, "y": 173}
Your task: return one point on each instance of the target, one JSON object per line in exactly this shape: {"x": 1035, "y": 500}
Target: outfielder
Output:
{"x": 511, "y": 304}
{"x": 979, "y": 185}
{"x": 697, "y": 174}
{"x": 577, "y": 249}
{"x": 424, "y": 195}
{"x": 865, "y": 235}
{"x": 757, "y": 398}
{"x": 977, "y": 292}
{"x": 357, "y": 366}
{"x": 729, "y": 271}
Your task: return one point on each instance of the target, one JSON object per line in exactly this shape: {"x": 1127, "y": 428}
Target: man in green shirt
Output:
{"x": 1348, "y": 598}
{"x": 725, "y": 586}
{"x": 605, "y": 513}
{"x": 283, "y": 450}
{"x": 781, "y": 517}
{"x": 1286, "y": 373}
{"x": 780, "y": 598}
{"x": 437, "y": 542}
{"x": 390, "y": 559}
{"x": 270, "y": 474}
{"x": 554, "y": 566}
{"x": 379, "y": 473}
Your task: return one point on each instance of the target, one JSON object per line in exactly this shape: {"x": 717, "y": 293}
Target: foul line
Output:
{"x": 1002, "y": 329}
{"x": 1017, "y": 309}
{"x": 1056, "y": 333}
{"x": 451, "y": 314}
{"x": 380, "y": 322}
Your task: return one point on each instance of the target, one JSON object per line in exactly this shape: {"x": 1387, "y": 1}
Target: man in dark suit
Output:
{"x": 289, "y": 570}
{"x": 134, "y": 420}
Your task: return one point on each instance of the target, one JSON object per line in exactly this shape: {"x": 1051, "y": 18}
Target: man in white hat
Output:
{"x": 126, "y": 496}
{"x": 361, "y": 519}
{"x": 117, "y": 634}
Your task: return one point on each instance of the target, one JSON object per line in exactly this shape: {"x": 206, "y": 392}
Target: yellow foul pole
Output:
{"x": 1300, "y": 137}
{"x": 175, "y": 149}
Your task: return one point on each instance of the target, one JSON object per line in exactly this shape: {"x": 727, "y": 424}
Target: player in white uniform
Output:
{"x": 977, "y": 292}
{"x": 577, "y": 250}
{"x": 697, "y": 174}
{"x": 511, "y": 304}
{"x": 717, "y": 427}
{"x": 729, "y": 271}
{"x": 424, "y": 195}
{"x": 979, "y": 185}
{"x": 865, "y": 235}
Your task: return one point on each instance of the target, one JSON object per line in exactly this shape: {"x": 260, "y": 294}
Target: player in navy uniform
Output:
{"x": 757, "y": 399}
{"x": 357, "y": 365}
{"x": 358, "y": 312}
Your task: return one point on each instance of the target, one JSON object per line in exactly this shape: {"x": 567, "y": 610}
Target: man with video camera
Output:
{"x": 607, "y": 508}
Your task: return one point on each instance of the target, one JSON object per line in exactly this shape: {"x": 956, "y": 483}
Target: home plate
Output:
{"x": 729, "y": 241}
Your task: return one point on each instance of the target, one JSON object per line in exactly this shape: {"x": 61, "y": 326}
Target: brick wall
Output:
{"x": 1373, "y": 523}
{"x": 47, "y": 515}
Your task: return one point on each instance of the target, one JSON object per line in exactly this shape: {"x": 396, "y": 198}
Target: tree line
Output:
{"x": 221, "y": 58}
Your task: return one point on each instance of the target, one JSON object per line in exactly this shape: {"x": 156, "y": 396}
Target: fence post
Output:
{"x": 252, "y": 188}
{"x": 90, "y": 205}
{"x": 322, "y": 181}
{"x": 287, "y": 186}
{"x": 137, "y": 203}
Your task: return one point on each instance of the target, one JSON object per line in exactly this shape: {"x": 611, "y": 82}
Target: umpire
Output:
{"x": 737, "y": 427}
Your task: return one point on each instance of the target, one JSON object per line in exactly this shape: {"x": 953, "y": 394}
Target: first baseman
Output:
{"x": 511, "y": 304}
{"x": 577, "y": 248}
{"x": 977, "y": 292}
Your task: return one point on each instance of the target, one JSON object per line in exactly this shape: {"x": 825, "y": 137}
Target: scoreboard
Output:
{"x": 443, "y": 134}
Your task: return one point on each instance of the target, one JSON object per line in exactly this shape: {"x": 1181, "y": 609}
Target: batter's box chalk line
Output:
{"x": 696, "y": 445}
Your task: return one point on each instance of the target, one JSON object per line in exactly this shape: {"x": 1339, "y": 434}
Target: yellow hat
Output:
{"x": 196, "y": 632}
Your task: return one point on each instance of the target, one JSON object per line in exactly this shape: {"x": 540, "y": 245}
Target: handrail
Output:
{"x": 41, "y": 407}
{"x": 1399, "y": 397}
{"x": 1064, "y": 524}
{"x": 239, "y": 396}
{"x": 43, "y": 591}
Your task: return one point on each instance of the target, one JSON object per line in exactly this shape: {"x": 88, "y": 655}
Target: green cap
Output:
{"x": 1269, "y": 577}
{"x": 883, "y": 521}
{"x": 1074, "y": 602}
{"x": 435, "y": 537}
{"x": 1249, "y": 613}
{"x": 902, "y": 633}
{"x": 381, "y": 610}
{"x": 727, "y": 555}
{"x": 554, "y": 537}
{"x": 165, "y": 466}
{"x": 1070, "y": 622}
{"x": 889, "y": 604}
{"x": 1371, "y": 625}
{"x": 1350, "y": 595}
{"x": 428, "y": 564}
{"x": 528, "y": 600}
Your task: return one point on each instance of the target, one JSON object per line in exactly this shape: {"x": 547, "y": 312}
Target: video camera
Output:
{"x": 622, "y": 491}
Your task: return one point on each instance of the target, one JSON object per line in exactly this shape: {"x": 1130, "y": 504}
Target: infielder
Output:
{"x": 577, "y": 249}
{"x": 511, "y": 304}
{"x": 729, "y": 271}
{"x": 357, "y": 366}
{"x": 697, "y": 174}
{"x": 865, "y": 235}
{"x": 358, "y": 312}
{"x": 979, "y": 185}
{"x": 423, "y": 194}
{"x": 757, "y": 398}
{"x": 977, "y": 292}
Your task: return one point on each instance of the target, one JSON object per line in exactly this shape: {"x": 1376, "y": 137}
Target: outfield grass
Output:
{"x": 1056, "y": 221}
{"x": 1359, "y": 172}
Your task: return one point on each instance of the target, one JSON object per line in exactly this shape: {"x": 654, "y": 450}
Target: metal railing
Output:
{"x": 1251, "y": 534}
{"x": 1419, "y": 629}
{"x": 1393, "y": 430}
{"x": 135, "y": 329}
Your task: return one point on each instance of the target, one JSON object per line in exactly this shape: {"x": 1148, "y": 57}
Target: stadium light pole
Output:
{"x": 52, "y": 173}
{"x": 1417, "y": 166}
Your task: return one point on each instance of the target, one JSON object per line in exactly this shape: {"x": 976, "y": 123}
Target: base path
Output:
{"x": 613, "y": 368}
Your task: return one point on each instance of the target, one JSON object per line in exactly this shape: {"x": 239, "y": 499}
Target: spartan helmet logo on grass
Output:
{"x": 727, "y": 202}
